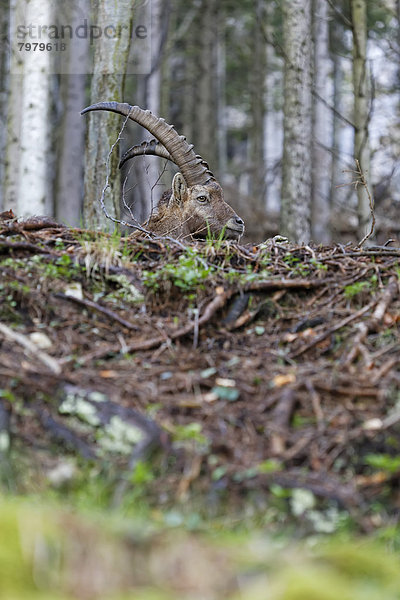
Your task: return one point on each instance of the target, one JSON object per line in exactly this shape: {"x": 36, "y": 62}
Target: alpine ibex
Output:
{"x": 195, "y": 206}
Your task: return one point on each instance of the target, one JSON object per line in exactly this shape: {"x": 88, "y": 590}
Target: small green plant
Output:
{"x": 383, "y": 462}
{"x": 188, "y": 274}
{"x": 318, "y": 265}
{"x": 290, "y": 259}
{"x": 191, "y": 431}
{"x": 215, "y": 242}
{"x": 268, "y": 466}
{"x": 59, "y": 244}
{"x": 191, "y": 434}
{"x": 13, "y": 263}
{"x": 142, "y": 473}
{"x": 7, "y": 395}
{"x": 62, "y": 268}
{"x": 296, "y": 265}
{"x": 356, "y": 288}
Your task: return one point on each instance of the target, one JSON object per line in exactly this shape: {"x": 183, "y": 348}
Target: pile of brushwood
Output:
{"x": 210, "y": 372}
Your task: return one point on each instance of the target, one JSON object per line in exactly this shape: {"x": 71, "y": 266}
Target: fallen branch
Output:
{"x": 388, "y": 294}
{"x": 13, "y": 336}
{"x": 216, "y": 304}
{"x": 23, "y": 246}
{"x": 211, "y": 308}
{"x": 331, "y": 330}
{"x": 97, "y": 307}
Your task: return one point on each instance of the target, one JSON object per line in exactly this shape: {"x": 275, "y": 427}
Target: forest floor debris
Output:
{"x": 233, "y": 372}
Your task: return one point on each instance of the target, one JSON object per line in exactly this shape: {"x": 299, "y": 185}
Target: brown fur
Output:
{"x": 195, "y": 212}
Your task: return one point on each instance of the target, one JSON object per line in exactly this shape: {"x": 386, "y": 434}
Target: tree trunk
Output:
{"x": 143, "y": 186}
{"x": 322, "y": 125}
{"x": 13, "y": 131}
{"x": 34, "y": 185}
{"x": 205, "y": 89}
{"x": 257, "y": 108}
{"x": 221, "y": 133}
{"x": 273, "y": 128}
{"x": 153, "y": 186}
{"x": 398, "y": 37}
{"x": 361, "y": 108}
{"x": 336, "y": 192}
{"x": 185, "y": 108}
{"x": 4, "y": 91}
{"x": 296, "y": 168}
{"x": 110, "y": 63}
{"x": 69, "y": 185}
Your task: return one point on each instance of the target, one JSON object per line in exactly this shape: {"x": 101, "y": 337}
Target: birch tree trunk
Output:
{"x": 110, "y": 62}
{"x": 336, "y": 192}
{"x": 69, "y": 189}
{"x": 34, "y": 184}
{"x": 322, "y": 124}
{"x": 4, "y": 90}
{"x": 361, "y": 108}
{"x": 296, "y": 167}
{"x": 13, "y": 132}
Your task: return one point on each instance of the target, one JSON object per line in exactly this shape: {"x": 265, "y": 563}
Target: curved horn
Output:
{"x": 190, "y": 165}
{"x": 151, "y": 148}
{"x": 154, "y": 148}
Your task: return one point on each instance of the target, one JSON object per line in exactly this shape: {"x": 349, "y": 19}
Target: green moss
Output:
{"x": 29, "y": 553}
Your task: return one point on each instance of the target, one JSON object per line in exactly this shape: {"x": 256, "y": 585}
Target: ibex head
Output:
{"x": 197, "y": 211}
{"x": 195, "y": 207}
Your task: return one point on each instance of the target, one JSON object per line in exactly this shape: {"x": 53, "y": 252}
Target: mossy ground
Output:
{"x": 197, "y": 390}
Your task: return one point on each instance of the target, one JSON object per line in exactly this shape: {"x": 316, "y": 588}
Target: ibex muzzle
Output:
{"x": 195, "y": 207}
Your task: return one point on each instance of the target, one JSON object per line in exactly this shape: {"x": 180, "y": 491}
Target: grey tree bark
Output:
{"x": 71, "y": 143}
{"x": 205, "y": 88}
{"x": 13, "y": 133}
{"x": 142, "y": 176}
{"x": 152, "y": 101}
{"x": 273, "y": 128}
{"x": 296, "y": 167}
{"x": 4, "y": 87}
{"x": 336, "y": 192}
{"x": 110, "y": 62}
{"x": 257, "y": 107}
{"x": 362, "y": 100}
{"x": 322, "y": 124}
{"x": 398, "y": 33}
{"x": 221, "y": 133}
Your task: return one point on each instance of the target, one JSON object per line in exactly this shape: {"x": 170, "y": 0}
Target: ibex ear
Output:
{"x": 179, "y": 189}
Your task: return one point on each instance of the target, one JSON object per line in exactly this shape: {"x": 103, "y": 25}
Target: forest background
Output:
{"x": 280, "y": 98}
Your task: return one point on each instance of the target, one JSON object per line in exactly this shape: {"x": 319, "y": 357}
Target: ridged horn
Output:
{"x": 155, "y": 148}
{"x": 192, "y": 167}
{"x": 151, "y": 148}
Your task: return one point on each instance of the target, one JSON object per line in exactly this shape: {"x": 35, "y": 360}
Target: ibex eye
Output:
{"x": 202, "y": 198}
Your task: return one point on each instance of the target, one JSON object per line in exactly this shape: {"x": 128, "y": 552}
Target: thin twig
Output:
{"x": 363, "y": 182}
{"x": 97, "y": 307}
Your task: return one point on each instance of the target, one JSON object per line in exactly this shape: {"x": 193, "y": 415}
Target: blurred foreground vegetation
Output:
{"x": 50, "y": 551}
